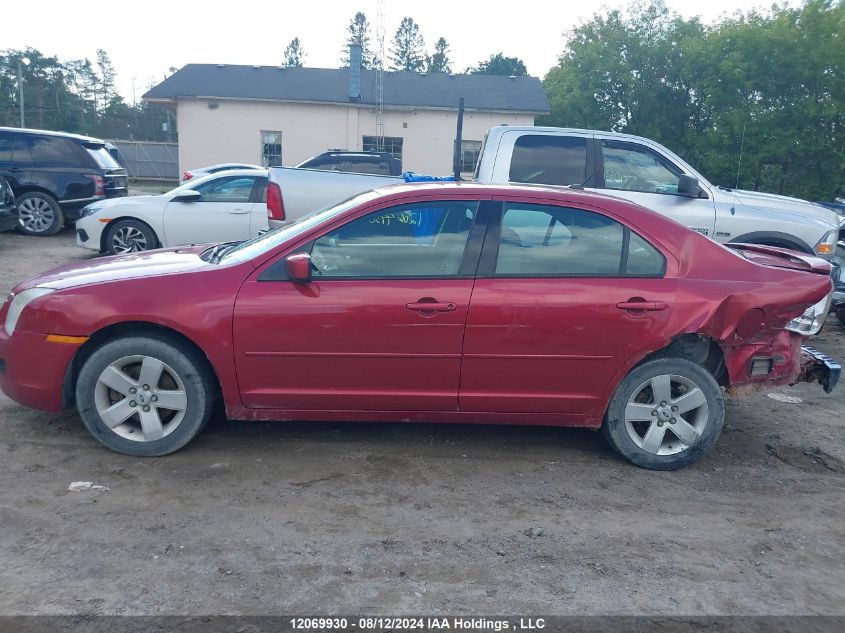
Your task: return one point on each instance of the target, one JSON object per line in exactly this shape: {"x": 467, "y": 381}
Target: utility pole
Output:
{"x": 20, "y": 91}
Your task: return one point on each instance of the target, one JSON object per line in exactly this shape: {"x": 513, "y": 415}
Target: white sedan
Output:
{"x": 221, "y": 207}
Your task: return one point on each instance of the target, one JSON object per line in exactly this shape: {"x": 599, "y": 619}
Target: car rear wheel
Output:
{"x": 129, "y": 236}
{"x": 665, "y": 414}
{"x": 144, "y": 395}
{"x": 39, "y": 214}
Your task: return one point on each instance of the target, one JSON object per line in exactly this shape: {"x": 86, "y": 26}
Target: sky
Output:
{"x": 145, "y": 39}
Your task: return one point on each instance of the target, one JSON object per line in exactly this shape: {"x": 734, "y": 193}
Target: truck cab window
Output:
{"x": 549, "y": 160}
{"x": 631, "y": 167}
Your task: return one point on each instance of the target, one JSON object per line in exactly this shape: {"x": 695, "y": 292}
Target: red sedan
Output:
{"x": 447, "y": 303}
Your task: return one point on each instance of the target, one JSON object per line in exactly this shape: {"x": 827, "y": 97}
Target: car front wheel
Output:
{"x": 129, "y": 236}
{"x": 144, "y": 395}
{"x": 665, "y": 414}
{"x": 39, "y": 214}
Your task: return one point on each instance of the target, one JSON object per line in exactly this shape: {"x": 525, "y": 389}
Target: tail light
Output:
{"x": 187, "y": 175}
{"x": 275, "y": 207}
{"x": 99, "y": 185}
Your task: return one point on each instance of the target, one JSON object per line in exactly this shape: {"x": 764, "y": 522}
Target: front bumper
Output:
{"x": 32, "y": 370}
{"x": 818, "y": 367}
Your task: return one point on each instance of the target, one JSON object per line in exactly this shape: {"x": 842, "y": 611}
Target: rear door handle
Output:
{"x": 431, "y": 306}
{"x": 640, "y": 306}
{"x": 238, "y": 211}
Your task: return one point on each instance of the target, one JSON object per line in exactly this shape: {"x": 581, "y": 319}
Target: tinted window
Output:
{"x": 104, "y": 159}
{"x": 544, "y": 240}
{"x": 234, "y": 189}
{"x": 365, "y": 166}
{"x": 7, "y": 146}
{"x": 56, "y": 151}
{"x": 630, "y": 167}
{"x": 417, "y": 240}
{"x": 549, "y": 160}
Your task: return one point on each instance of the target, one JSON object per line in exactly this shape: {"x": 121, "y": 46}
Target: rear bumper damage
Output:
{"x": 818, "y": 367}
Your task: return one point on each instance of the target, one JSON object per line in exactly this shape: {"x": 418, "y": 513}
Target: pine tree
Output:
{"x": 294, "y": 54}
{"x": 359, "y": 33}
{"x": 439, "y": 61}
{"x": 406, "y": 51}
{"x": 105, "y": 80}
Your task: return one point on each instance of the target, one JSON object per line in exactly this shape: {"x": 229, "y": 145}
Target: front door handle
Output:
{"x": 431, "y": 306}
{"x": 641, "y": 306}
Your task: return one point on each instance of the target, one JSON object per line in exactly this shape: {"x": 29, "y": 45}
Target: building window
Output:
{"x": 271, "y": 148}
{"x": 469, "y": 155}
{"x": 392, "y": 144}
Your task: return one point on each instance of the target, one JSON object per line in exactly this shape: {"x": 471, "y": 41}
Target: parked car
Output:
{"x": 626, "y": 166}
{"x": 228, "y": 205}
{"x": 8, "y": 209}
{"x": 54, "y": 175}
{"x": 213, "y": 169}
{"x": 381, "y": 163}
{"x": 449, "y": 303}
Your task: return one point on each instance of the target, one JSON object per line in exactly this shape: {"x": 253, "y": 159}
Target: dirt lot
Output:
{"x": 256, "y": 518}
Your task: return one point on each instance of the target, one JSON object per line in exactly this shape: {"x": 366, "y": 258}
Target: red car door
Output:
{"x": 381, "y": 324}
{"x": 564, "y": 298}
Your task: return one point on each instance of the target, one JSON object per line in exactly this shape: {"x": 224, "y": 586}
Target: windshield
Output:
{"x": 100, "y": 154}
{"x": 263, "y": 243}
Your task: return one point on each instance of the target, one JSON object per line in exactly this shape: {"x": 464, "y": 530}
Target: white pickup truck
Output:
{"x": 626, "y": 166}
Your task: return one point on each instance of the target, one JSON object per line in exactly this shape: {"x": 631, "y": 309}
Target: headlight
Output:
{"x": 813, "y": 318}
{"x": 88, "y": 210}
{"x": 19, "y": 302}
{"x": 827, "y": 243}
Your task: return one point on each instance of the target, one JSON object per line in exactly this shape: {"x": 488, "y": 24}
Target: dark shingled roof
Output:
{"x": 325, "y": 85}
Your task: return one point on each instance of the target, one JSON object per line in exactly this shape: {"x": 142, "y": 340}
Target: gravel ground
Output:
{"x": 262, "y": 518}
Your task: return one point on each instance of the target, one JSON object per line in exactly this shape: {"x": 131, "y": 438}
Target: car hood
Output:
{"x": 106, "y": 269}
{"x": 785, "y": 204}
{"x": 128, "y": 201}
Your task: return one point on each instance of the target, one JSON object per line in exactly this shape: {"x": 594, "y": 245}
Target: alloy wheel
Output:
{"x": 140, "y": 398}
{"x": 35, "y": 215}
{"x": 666, "y": 414}
{"x": 128, "y": 239}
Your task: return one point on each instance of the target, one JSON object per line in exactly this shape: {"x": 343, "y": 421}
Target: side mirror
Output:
{"x": 688, "y": 186}
{"x": 187, "y": 196}
{"x": 298, "y": 267}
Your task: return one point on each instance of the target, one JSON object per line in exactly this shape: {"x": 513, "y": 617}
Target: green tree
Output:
{"x": 768, "y": 83}
{"x": 359, "y": 33}
{"x": 438, "y": 61}
{"x": 498, "y": 64}
{"x": 294, "y": 54}
{"x": 106, "y": 75}
{"x": 406, "y": 51}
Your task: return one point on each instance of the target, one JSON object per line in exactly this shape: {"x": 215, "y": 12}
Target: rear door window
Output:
{"x": 549, "y": 160}
{"x": 56, "y": 150}
{"x": 543, "y": 240}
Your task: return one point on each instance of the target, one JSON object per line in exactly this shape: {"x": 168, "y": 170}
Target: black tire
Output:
{"x": 709, "y": 420}
{"x": 190, "y": 367}
{"x": 129, "y": 236}
{"x": 39, "y": 214}
{"x": 840, "y": 314}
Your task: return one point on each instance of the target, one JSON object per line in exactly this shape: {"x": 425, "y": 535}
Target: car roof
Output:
{"x": 30, "y": 131}
{"x": 234, "y": 165}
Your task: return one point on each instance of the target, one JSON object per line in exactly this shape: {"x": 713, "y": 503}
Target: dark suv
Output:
{"x": 381, "y": 163}
{"x": 53, "y": 175}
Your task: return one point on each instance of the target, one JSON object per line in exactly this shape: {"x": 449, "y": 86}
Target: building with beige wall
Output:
{"x": 282, "y": 116}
